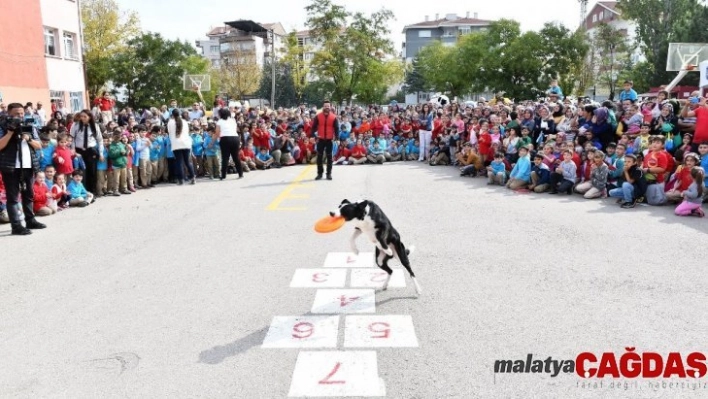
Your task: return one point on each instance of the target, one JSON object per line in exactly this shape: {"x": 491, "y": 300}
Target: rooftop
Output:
{"x": 449, "y": 20}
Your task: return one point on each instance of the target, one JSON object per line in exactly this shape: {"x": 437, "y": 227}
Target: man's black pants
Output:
{"x": 13, "y": 179}
{"x": 324, "y": 147}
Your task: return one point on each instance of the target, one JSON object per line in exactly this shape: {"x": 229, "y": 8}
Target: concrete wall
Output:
{"x": 23, "y": 73}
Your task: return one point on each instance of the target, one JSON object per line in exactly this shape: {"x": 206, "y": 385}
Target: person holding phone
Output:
{"x": 700, "y": 112}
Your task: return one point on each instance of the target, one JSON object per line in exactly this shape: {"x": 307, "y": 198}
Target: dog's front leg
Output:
{"x": 352, "y": 241}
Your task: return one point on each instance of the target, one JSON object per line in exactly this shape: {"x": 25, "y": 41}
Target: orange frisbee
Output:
{"x": 329, "y": 224}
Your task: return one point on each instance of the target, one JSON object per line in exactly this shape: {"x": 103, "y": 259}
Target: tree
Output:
{"x": 151, "y": 68}
{"x": 239, "y": 73}
{"x": 285, "y": 91}
{"x": 414, "y": 82}
{"x": 610, "y": 56}
{"x": 350, "y": 46}
{"x": 380, "y": 76}
{"x": 660, "y": 22}
{"x": 441, "y": 70}
{"x": 106, "y": 30}
{"x": 294, "y": 58}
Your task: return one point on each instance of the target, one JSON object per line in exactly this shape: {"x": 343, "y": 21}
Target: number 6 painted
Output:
{"x": 320, "y": 277}
{"x": 303, "y": 330}
{"x": 327, "y": 381}
{"x": 381, "y": 328}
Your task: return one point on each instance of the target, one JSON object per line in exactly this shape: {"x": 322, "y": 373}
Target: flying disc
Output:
{"x": 329, "y": 224}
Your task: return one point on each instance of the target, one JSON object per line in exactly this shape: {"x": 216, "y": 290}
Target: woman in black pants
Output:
{"x": 229, "y": 142}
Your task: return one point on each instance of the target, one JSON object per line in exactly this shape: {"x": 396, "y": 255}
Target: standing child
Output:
{"x": 142, "y": 146}
{"x": 211, "y": 150}
{"x": 693, "y": 196}
{"x": 62, "y": 156}
{"x": 102, "y": 170}
{"x": 155, "y": 147}
{"x": 79, "y": 196}
{"x": 118, "y": 153}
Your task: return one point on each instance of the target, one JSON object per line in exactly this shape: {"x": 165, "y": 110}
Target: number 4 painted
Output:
{"x": 344, "y": 300}
{"x": 328, "y": 381}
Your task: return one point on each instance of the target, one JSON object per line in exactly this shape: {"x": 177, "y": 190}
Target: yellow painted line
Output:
{"x": 285, "y": 194}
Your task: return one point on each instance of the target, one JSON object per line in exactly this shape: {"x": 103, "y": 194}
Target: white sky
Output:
{"x": 192, "y": 19}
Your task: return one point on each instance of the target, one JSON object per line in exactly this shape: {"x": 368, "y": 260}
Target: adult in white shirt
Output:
{"x": 42, "y": 113}
{"x": 181, "y": 144}
{"x": 229, "y": 142}
{"x": 88, "y": 142}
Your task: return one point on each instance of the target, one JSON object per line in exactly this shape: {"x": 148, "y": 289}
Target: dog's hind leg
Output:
{"x": 402, "y": 255}
{"x": 381, "y": 242}
{"x": 382, "y": 262}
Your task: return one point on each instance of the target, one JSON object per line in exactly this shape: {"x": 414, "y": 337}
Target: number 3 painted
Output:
{"x": 328, "y": 381}
{"x": 320, "y": 277}
{"x": 381, "y": 328}
{"x": 303, "y": 330}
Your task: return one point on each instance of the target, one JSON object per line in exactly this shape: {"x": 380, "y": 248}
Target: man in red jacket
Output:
{"x": 326, "y": 127}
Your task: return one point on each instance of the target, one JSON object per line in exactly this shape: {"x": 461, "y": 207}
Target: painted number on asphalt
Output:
{"x": 375, "y": 278}
{"x": 302, "y": 332}
{"x": 344, "y": 300}
{"x": 327, "y": 380}
{"x": 337, "y": 301}
{"x": 336, "y": 374}
{"x": 319, "y": 278}
{"x": 380, "y": 329}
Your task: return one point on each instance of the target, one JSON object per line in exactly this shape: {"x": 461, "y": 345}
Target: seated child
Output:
{"x": 596, "y": 186}
{"x": 263, "y": 159}
{"x": 41, "y": 197}
{"x": 60, "y": 194}
{"x": 693, "y": 196}
{"x": 79, "y": 196}
{"x": 540, "y": 175}
{"x": 520, "y": 175}
{"x": 496, "y": 171}
{"x": 565, "y": 175}
{"x": 632, "y": 184}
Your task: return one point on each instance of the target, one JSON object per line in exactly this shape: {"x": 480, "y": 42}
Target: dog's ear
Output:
{"x": 345, "y": 201}
{"x": 362, "y": 205}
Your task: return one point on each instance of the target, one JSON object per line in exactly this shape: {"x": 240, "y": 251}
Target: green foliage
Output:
{"x": 504, "y": 59}
{"x": 352, "y": 49}
{"x": 294, "y": 58}
{"x": 660, "y": 22}
{"x": 610, "y": 57}
{"x": 285, "y": 92}
{"x": 317, "y": 91}
{"x": 106, "y": 29}
{"x": 414, "y": 81}
{"x": 151, "y": 70}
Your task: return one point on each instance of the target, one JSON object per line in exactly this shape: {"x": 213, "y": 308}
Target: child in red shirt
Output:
{"x": 63, "y": 158}
{"x": 41, "y": 196}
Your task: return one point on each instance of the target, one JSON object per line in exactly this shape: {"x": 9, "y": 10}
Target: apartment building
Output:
{"x": 41, "y": 57}
{"x": 227, "y": 41}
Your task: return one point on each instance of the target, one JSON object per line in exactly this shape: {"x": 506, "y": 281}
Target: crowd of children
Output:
{"x": 635, "y": 152}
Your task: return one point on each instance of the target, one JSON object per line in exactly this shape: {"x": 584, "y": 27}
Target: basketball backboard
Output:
{"x": 197, "y": 82}
{"x": 682, "y": 54}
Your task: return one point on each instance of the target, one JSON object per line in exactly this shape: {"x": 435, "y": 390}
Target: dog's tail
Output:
{"x": 403, "y": 253}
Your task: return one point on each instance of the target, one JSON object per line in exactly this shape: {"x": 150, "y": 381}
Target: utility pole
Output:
{"x": 271, "y": 32}
{"x": 583, "y": 14}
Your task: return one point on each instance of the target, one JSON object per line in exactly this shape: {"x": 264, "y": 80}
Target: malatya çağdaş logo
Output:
{"x": 629, "y": 364}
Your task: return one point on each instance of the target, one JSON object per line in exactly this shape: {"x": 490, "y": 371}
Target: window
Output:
{"x": 594, "y": 18}
{"x": 424, "y": 33}
{"x": 56, "y": 95}
{"x": 215, "y": 63}
{"x": 70, "y": 46}
{"x": 214, "y": 49}
{"x": 76, "y": 100}
{"x": 465, "y": 30}
{"x": 50, "y": 47}
{"x": 601, "y": 15}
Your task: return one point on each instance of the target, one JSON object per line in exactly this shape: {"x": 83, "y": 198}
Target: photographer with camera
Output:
{"x": 19, "y": 161}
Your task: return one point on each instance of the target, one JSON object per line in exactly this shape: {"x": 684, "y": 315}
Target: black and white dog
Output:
{"x": 369, "y": 219}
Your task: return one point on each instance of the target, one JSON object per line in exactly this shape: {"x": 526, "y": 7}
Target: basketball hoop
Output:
{"x": 690, "y": 67}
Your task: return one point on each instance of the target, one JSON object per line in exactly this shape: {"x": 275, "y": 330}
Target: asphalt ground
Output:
{"x": 171, "y": 292}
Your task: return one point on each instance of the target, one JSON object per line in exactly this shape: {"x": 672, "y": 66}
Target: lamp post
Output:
{"x": 271, "y": 33}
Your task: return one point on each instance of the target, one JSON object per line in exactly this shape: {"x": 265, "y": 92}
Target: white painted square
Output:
{"x": 348, "y": 259}
{"x": 380, "y": 331}
{"x": 302, "y": 332}
{"x": 374, "y": 278}
{"x": 335, "y": 373}
{"x": 319, "y": 278}
{"x": 338, "y": 301}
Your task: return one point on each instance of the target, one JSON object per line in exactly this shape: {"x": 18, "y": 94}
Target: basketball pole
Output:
{"x": 677, "y": 79}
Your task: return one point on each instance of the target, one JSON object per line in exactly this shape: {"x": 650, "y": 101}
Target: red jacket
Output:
{"x": 40, "y": 195}
{"x": 358, "y": 151}
{"x": 65, "y": 154}
{"x": 343, "y": 151}
{"x": 261, "y": 139}
{"x": 307, "y": 128}
{"x": 377, "y": 127}
{"x": 104, "y": 104}
{"x": 683, "y": 178}
{"x": 326, "y": 127}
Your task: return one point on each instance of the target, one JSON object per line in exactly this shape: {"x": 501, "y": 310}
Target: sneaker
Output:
{"x": 19, "y": 230}
{"x": 116, "y": 194}
{"x": 345, "y": 163}
{"x": 628, "y": 205}
{"x": 35, "y": 225}
{"x": 193, "y": 181}
{"x": 329, "y": 177}
{"x": 553, "y": 192}
{"x": 698, "y": 212}
{"x": 318, "y": 177}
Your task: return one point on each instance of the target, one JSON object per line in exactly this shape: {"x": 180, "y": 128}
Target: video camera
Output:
{"x": 18, "y": 125}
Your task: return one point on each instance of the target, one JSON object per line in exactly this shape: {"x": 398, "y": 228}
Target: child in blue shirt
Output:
{"x": 47, "y": 153}
{"x": 198, "y": 152}
{"x": 79, "y": 197}
{"x": 521, "y": 174}
{"x": 102, "y": 170}
{"x": 412, "y": 150}
{"x": 155, "y": 150}
{"x": 496, "y": 171}
{"x": 263, "y": 159}
{"x": 211, "y": 151}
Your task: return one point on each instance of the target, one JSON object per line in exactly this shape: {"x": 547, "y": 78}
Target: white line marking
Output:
{"x": 380, "y": 331}
{"x": 348, "y": 259}
{"x": 319, "y": 278}
{"x": 374, "y": 278}
{"x": 336, "y": 373}
{"x": 302, "y": 332}
{"x": 338, "y": 301}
